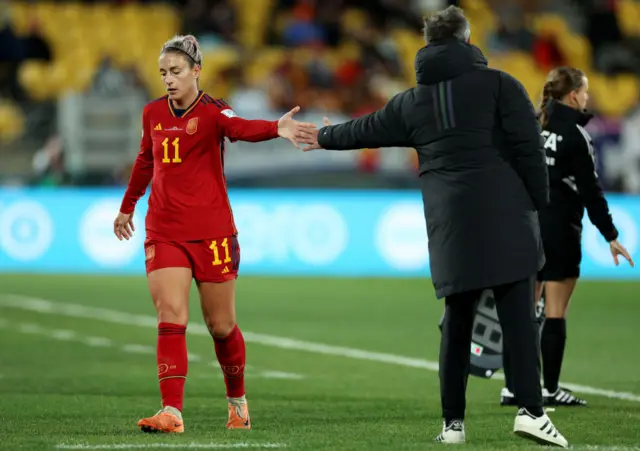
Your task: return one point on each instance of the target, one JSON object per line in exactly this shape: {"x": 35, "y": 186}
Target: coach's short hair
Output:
{"x": 449, "y": 23}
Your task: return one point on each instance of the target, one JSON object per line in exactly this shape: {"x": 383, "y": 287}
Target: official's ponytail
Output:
{"x": 560, "y": 82}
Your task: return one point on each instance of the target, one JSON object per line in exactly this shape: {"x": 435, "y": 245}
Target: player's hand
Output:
{"x": 295, "y": 131}
{"x": 313, "y": 145}
{"x": 618, "y": 249}
{"x": 123, "y": 226}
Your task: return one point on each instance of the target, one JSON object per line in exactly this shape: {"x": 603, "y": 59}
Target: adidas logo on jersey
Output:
{"x": 158, "y": 127}
{"x": 225, "y": 270}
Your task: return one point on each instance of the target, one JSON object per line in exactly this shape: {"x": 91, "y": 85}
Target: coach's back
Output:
{"x": 482, "y": 167}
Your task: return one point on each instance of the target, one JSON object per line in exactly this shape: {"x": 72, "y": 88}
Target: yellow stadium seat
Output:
{"x": 628, "y": 15}
{"x": 613, "y": 96}
{"x": 253, "y": 26}
{"x": 34, "y": 77}
{"x": 21, "y": 15}
{"x": 221, "y": 58}
{"x": 264, "y": 63}
{"x": 550, "y": 24}
{"x": 576, "y": 49}
{"x": 353, "y": 19}
{"x": 12, "y": 122}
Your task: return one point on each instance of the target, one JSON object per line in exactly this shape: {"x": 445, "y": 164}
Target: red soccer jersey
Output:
{"x": 182, "y": 154}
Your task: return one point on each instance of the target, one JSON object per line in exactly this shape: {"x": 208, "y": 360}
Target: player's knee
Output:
{"x": 171, "y": 313}
{"x": 220, "y": 328}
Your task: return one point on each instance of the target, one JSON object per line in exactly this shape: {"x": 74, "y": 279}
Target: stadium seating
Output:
{"x": 82, "y": 35}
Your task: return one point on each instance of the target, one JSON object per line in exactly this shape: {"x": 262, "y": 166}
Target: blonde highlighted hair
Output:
{"x": 187, "y": 45}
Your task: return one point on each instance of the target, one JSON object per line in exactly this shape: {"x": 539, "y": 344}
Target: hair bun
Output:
{"x": 193, "y": 40}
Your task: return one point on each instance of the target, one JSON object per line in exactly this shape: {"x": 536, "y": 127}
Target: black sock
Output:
{"x": 554, "y": 336}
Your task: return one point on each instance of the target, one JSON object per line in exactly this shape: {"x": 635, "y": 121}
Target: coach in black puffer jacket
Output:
{"x": 483, "y": 176}
{"x": 482, "y": 167}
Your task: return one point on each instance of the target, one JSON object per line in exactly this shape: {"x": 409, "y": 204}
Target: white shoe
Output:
{"x": 453, "y": 433}
{"x": 538, "y": 429}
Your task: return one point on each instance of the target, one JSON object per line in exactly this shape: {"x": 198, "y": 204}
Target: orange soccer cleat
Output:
{"x": 238, "y": 416}
{"x": 163, "y": 421}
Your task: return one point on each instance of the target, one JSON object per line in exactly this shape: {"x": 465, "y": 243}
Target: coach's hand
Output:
{"x": 293, "y": 130}
{"x": 123, "y": 226}
{"x": 313, "y": 143}
{"x": 618, "y": 249}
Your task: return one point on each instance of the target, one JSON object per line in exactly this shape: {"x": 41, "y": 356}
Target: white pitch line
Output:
{"x": 113, "y": 316}
{"x": 192, "y": 445}
{"x": 102, "y": 342}
{"x": 604, "y": 448}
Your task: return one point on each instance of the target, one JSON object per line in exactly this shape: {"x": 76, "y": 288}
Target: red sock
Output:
{"x": 232, "y": 357}
{"x": 172, "y": 363}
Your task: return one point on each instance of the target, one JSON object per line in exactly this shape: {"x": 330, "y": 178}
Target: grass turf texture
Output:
{"x": 62, "y": 384}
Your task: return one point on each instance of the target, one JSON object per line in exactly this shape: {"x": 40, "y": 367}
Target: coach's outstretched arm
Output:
{"x": 383, "y": 128}
{"x": 523, "y": 139}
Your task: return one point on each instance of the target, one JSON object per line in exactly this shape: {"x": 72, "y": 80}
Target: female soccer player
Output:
{"x": 574, "y": 185}
{"x": 189, "y": 224}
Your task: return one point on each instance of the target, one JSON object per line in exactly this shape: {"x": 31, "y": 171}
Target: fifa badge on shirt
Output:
{"x": 192, "y": 126}
{"x": 229, "y": 113}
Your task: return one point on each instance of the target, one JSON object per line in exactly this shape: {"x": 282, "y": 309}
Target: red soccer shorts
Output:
{"x": 214, "y": 260}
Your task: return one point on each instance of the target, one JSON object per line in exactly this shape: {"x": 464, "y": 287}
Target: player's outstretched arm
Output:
{"x": 238, "y": 129}
{"x": 295, "y": 131}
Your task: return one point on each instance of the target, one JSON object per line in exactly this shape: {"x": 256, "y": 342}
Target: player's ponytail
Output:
{"x": 560, "y": 82}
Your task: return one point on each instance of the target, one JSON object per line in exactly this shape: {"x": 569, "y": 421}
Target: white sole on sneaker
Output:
{"x": 541, "y": 430}
{"x": 451, "y": 438}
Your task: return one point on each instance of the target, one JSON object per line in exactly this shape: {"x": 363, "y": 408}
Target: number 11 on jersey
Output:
{"x": 176, "y": 151}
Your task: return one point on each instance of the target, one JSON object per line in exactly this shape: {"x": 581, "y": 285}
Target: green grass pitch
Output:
{"x": 333, "y": 364}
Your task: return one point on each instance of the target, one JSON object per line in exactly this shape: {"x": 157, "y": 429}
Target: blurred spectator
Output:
{"x": 48, "y": 165}
{"x": 213, "y": 22}
{"x": 512, "y": 33}
{"x": 547, "y": 53}
{"x": 302, "y": 28}
{"x": 12, "y": 53}
{"x": 36, "y": 46}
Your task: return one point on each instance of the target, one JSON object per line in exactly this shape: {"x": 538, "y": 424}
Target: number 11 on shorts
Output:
{"x": 216, "y": 252}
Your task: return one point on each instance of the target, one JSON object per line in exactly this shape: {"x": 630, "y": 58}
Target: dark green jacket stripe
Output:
{"x": 436, "y": 107}
{"x": 443, "y": 105}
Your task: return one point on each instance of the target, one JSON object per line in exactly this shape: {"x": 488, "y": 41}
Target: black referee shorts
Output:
{"x": 562, "y": 243}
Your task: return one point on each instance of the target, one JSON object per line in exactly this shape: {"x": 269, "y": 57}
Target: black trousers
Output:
{"x": 514, "y": 304}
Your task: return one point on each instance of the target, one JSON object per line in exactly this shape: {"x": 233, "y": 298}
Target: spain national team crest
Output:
{"x": 192, "y": 126}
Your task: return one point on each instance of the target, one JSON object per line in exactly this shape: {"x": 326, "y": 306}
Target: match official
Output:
{"x": 483, "y": 178}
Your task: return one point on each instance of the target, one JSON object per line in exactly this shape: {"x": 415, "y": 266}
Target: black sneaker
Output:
{"x": 507, "y": 398}
{"x": 562, "y": 397}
